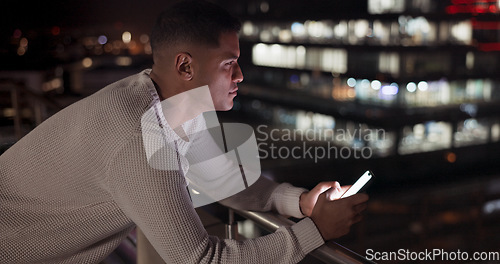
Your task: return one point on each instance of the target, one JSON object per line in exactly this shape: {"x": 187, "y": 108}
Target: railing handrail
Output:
{"x": 6, "y": 85}
{"x": 39, "y": 108}
{"x": 330, "y": 252}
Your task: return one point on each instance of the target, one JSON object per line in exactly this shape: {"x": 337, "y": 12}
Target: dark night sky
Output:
{"x": 73, "y": 14}
{"x": 141, "y": 14}
{"x": 81, "y": 18}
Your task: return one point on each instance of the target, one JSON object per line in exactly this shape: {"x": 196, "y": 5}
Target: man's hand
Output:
{"x": 308, "y": 199}
{"x": 334, "y": 218}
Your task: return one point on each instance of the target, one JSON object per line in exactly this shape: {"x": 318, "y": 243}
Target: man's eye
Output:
{"x": 230, "y": 63}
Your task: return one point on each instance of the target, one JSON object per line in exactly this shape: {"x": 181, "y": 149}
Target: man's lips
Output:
{"x": 234, "y": 90}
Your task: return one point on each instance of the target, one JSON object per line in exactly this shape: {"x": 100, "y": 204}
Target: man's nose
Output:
{"x": 237, "y": 74}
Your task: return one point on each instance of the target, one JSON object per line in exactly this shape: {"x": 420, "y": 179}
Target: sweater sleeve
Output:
{"x": 265, "y": 195}
{"x": 158, "y": 202}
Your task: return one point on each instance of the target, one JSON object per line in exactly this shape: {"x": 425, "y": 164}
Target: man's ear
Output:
{"x": 183, "y": 65}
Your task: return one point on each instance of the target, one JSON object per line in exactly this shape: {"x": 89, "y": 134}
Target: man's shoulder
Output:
{"x": 134, "y": 85}
{"x": 126, "y": 99}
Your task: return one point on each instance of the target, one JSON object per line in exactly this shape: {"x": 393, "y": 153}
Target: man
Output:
{"x": 72, "y": 189}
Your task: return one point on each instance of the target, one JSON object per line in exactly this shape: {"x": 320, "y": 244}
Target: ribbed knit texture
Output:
{"x": 73, "y": 188}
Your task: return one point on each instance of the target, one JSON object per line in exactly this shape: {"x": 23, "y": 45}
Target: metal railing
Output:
{"x": 37, "y": 103}
{"x": 330, "y": 252}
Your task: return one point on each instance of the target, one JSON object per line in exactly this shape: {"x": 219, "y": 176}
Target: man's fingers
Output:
{"x": 322, "y": 198}
{"x": 334, "y": 193}
{"x": 345, "y": 188}
{"x": 323, "y": 186}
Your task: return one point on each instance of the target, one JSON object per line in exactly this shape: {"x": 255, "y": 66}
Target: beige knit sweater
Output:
{"x": 73, "y": 188}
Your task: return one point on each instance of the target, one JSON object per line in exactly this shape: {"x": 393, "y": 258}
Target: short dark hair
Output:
{"x": 194, "y": 21}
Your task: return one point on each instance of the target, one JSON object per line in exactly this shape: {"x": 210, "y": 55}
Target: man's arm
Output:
{"x": 266, "y": 195}
{"x": 158, "y": 202}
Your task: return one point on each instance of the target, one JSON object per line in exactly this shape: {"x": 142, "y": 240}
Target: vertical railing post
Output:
{"x": 14, "y": 96}
{"x": 231, "y": 226}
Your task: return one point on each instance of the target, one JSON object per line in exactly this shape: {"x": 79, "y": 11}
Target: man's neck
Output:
{"x": 166, "y": 85}
{"x": 180, "y": 106}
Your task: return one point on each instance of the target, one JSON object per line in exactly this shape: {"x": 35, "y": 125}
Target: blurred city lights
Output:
{"x": 450, "y": 157}
{"x": 87, "y": 62}
{"x": 315, "y": 28}
{"x": 351, "y": 82}
{"x": 385, "y": 6}
{"x": 147, "y": 49}
{"x": 102, "y": 39}
{"x": 340, "y": 30}
{"x": 390, "y": 89}
{"x": 247, "y": 28}
{"x": 144, "y": 38}
{"x": 298, "y": 29}
{"x": 108, "y": 47}
{"x": 361, "y": 28}
{"x": 365, "y": 83}
{"x": 264, "y": 7}
{"x": 470, "y": 124}
{"x": 411, "y": 87}
{"x": 462, "y": 31}
{"x": 491, "y": 207}
{"x": 469, "y": 60}
{"x": 55, "y": 30}
{"x": 470, "y": 109}
{"x": 281, "y": 56}
{"x": 423, "y": 86}
{"x": 17, "y": 33}
{"x": 52, "y": 84}
{"x": 285, "y": 36}
{"x": 123, "y": 61}
{"x": 21, "y": 51}
{"x": 126, "y": 37}
{"x": 23, "y": 43}
{"x": 375, "y": 84}
{"x": 351, "y": 93}
{"x": 495, "y": 132}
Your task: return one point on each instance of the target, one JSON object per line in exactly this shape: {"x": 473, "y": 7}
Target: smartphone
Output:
{"x": 360, "y": 183}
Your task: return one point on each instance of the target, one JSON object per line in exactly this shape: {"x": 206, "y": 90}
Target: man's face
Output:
{"x": 220, "y": 70}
